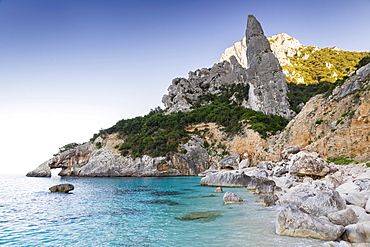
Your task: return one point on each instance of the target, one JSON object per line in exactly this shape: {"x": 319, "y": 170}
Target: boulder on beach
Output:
{"x": 268, "y": 200}
{"x": 261, "y": 185}
{"x": 226, "y": 179}
{"x": 230, "y": 197}
{"x": 358, "y": 233}
{"x": 308, "y": 164}
{"x": 293, "y": 222}
{"x": 289, "y": 150}
{"x": 64, "y": 188}
{"x": 231, "y": 163}
{"x": 343, "y": 217}
{"x": 316, "y": 199}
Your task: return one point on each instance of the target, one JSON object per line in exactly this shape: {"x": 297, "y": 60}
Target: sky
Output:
{"x": 69, "y": 68}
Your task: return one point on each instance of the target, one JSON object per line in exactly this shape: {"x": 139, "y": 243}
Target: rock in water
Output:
{"x": 291, "y": 221}
{"x": 268, "y": 87}
{"x": 230, "y": 197}
{"x": 200, "y": 216}
{"x": 226, "y": 179}
{"x": 42, "y": 170}
{"x": 64, "y": 188}
{"x": 219, "y": 190}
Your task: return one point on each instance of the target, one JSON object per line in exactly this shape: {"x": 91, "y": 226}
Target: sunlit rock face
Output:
{"x": 263, "y": 78}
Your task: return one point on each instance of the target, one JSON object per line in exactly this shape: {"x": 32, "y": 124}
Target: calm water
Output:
{"x": 131, "y": 212}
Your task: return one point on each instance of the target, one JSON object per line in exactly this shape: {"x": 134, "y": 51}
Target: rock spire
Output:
{"x": 268, "y": 87}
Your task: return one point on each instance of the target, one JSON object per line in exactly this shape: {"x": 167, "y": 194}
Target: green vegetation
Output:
{"x": 363, "y": 61}
{"x": 349, "y": 113}
{"x": 67, "y": 147}
{"x": 319, "y": 121}
{"x": 301, "y": 93}
{"x": 342, "y": 161}
{"x": 239, "y": 92}
{"x": 324, "y": 65}
{"x": 157, "y": 134}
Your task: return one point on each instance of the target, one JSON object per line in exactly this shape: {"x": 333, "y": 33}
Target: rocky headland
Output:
{"x": 315, "y": 170}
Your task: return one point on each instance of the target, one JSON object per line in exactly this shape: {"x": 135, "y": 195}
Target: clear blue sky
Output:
{"x": 71, "y": 67}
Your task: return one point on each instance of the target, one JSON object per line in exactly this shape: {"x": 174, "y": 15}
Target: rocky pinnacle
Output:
{"x": 268, "y": 87}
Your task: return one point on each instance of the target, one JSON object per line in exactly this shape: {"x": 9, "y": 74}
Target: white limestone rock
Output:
{"x": 358, "y": 233}
{"x": 291, "y": 221}
{"x": 230, "y": 197}
{"x": 310, "y": 164}
{"x": 268, "y": 87}
{"x": 343, "y": 217}
{"x": 316, "y": 199}
{"x": 226, "y": 179}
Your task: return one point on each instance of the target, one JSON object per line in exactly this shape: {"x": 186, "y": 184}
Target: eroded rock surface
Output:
{"x": 230, "y": 197}
{"x": 63, "y": 188}
{"x": 268, "y": 87}
{"x": 293, "y": 222}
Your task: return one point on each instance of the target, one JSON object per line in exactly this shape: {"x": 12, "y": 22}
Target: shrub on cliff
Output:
{"x": 157, "y": 134}
{"x": 323, "y": 65}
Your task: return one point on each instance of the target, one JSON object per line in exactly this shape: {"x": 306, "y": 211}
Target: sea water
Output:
{"x": 132, "y": 212}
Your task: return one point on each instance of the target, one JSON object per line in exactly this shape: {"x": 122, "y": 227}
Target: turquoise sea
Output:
{"x": 132, "y": 212}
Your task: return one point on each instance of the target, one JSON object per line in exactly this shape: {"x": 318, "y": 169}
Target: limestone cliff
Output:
{"x": 185, "y": 93}
{"x": 336, "y": 126}
{"x": 282, "y": 45}
{"x": 103, "y": 160}
{"x": 263, "y": 79}
{"x": 268, "y": 87}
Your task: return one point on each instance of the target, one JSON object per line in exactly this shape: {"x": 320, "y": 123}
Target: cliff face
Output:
{"x": 263, "y": 79}
{"x": 88, "y": 160}
{"x": 268, "y": 87}
{"x": 337, "y": 126}
{"x": 282, "y": 45}
{"x": 185, "y": 93}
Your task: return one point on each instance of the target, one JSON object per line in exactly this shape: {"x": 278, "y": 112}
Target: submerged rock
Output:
{"x": 64, "y": 188}
{"x": 168, "y": 202}
{"x": 230, "y": 197}
{"x": 200, "y": 216}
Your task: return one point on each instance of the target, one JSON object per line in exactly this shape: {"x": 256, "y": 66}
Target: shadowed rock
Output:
{"x": 343, "y": 217}
{"x": 64, "y": 188}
